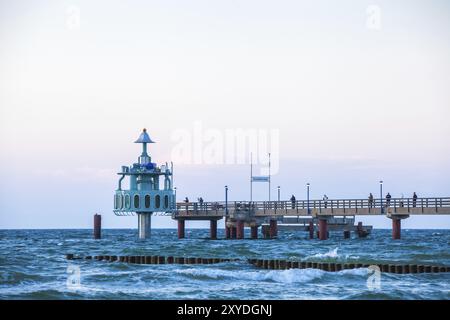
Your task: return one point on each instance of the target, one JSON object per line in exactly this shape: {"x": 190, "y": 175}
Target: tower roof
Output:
{"x": 144, "y": 137}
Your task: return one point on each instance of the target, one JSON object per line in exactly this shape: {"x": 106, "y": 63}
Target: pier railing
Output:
{"x": 318, "y": 205}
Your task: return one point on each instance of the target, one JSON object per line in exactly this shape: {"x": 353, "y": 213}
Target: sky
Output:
{"x": 343, "y": 94}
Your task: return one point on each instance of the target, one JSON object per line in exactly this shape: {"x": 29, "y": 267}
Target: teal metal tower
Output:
{"x": 145, "y": 195}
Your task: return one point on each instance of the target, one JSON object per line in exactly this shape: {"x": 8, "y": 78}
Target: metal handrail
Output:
{"x": 436, "y": 202}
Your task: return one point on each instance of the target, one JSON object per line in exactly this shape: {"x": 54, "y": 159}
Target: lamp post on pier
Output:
{"x": 226, "y": 201}
{"x": 278, "y": 193}
{"x": 307, "y": 197}
{"x": 381, "y": 196}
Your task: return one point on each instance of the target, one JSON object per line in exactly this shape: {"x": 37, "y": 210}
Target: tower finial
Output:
{"x": 144, "y": 137}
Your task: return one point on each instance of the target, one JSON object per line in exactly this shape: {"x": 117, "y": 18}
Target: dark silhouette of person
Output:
{"x": 414, "y": 200}
{"x": 388, "y": 199}
{"x": 186, "y": 200}
{"x": 325, "y": 200}
{"x": 371, "y": 200}
{"x": 293, "y": 201}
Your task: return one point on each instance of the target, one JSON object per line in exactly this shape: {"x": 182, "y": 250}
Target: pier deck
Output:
{"x": 238, "y": 214}
{"x": 341, "y": 207}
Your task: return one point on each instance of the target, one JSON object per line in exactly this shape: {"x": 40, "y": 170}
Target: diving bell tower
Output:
{"x": 145, "y": 195}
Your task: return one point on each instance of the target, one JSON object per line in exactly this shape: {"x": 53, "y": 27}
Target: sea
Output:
{"x": 33, "y": 265}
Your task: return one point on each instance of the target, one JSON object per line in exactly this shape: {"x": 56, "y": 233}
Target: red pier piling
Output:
{"x": 233, "y": 232}
{"x": 273, "y": 231}
{"x": 213, "y": 229}
{"x": 240, "y": 229}
{"x": 323, "y": 229}
{"x": 311, "y": 230}
{"x": 181, "y": 224}
{"x": 396, "y": 228}
{"x": 254, "y": 232}
{"x": 97, "y": 226}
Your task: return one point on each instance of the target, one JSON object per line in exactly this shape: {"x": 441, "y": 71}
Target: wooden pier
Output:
{"x": 240, "y": 214}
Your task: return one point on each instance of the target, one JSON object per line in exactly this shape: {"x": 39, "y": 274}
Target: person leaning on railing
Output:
{"x": 371, "y": 200}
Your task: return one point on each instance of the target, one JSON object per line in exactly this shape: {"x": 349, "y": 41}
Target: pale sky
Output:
{"x": 352, "y": 104}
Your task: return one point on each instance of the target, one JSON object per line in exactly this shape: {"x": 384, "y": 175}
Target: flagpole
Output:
{"x": 251, "y": 176}
{"x": 269, "y": 176}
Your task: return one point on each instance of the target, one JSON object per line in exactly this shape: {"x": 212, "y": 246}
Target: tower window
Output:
{"x": 136, "y": 201}
{"x": 147, "y": 201}
{"x": 127, "y": 201}
{"x": 116, "y": 201}
{"x": 166, "y": 201}
{"x": 157, "y": 201}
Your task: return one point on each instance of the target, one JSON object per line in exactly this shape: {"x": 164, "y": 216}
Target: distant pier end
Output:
{"x": 145, "y": 195}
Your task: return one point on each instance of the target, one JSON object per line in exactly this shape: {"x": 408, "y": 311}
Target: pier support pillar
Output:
{"x": 97, "y": 226}
{"x": 144, "y": 224}
{"x": 311, "y": 230}
{"x": 273, "y": 231}
{"x": 233, "y": 232}
{"x": 240, "y": 229}
{"x": 265, "y": 231}
{"x": 181, "y": 224}
{"x": 396, "y": 228}
{"x": 254, "y": 232}
{"x": 227, "y": 232}
{"x": 323, "y": 229}
{"x": 213, "y": 229}
{"x": 346, "y": 234}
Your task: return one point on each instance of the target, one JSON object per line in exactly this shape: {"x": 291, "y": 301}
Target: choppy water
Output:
{"x": 33, "y": 266}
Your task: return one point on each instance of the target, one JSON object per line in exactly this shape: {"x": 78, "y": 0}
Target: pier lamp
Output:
{"x": 226, "y": 200}
{"x": 175, "y": 193}
{"x": 381, "y": 196}
{"x": 307, "y": 197}
{"x": 278, "y": 193}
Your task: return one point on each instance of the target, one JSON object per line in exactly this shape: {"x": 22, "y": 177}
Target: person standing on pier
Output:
{"x": 325, "y": 200}
{"x": 371, "y": 200}
{"x": 388, "y": 199}
{"x": 414, "y": 200}
{"x": 200, "y": 200}
{"x": 186, "y": 200}
{"x": 293, "y": 201}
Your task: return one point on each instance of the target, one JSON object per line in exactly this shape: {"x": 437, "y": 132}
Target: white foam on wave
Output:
{"x": 333, "y": 254}
{"x": 281, "y": 276}
{"x": 356, "y": 272}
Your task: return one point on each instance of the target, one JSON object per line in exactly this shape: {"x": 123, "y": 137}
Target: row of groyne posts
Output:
{"x": 274, "y": 264}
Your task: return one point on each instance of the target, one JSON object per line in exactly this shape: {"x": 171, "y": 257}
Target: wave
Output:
{"x": 331, "y": 255}
{"x": 17, "y": 277}
{"x": 281, "y": 276}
